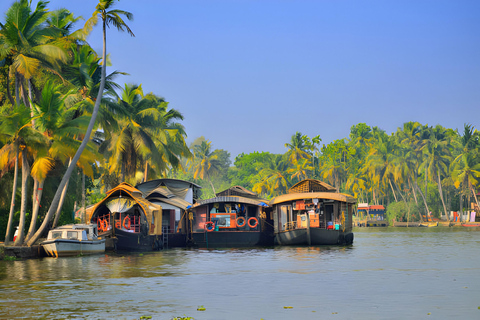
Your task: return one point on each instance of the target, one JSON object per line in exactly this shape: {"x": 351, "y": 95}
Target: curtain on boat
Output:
{"x": 120, "y": 204}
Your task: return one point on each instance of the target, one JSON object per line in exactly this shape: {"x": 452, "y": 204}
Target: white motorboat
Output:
{"x": 73, "y": 240}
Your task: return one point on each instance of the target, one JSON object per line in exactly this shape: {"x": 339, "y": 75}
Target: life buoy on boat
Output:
{"x": 250, "y": 222}
{"x": 241, "y": 222}
{"x": 209, "y": 226}
{"x": 128, "y": 223}
{"x": 105, "y": 225}
{"x": 100, "y": 224}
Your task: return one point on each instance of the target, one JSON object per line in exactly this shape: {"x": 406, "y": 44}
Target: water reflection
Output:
{"x": 384, "y": 270}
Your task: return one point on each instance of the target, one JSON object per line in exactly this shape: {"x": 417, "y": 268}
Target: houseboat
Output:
{"x": 175, "y": 197}
{"x": 73, "y": 240}
{"x": 313, "y": 213}
{"x": 127, "y": 220}
{"x": 236, "y": 217}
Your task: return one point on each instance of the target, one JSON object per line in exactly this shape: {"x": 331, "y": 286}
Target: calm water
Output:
{"x": 394, "y": 273}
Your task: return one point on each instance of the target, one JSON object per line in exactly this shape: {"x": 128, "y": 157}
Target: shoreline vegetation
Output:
{"x": 69, "y": 131}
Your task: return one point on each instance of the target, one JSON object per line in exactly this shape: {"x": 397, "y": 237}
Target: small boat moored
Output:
{"x": 73, "y": 240}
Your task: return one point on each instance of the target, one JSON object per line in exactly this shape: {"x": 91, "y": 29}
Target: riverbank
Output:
{"x": 24, "y": 252}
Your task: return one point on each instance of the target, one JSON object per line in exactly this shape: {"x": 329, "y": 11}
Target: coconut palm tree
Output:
{"x": 108, "y": 17}
{"x": 205, "y": 162}
{"x": 28, "y": 45}
{"x": 272, "y": 175}
{"x": 437, "y": 156}
{"x": 12, "y": 127}
{"x": 297, "y": 148}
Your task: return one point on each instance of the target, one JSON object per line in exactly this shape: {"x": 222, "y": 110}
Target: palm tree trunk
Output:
{"x": 58, "y": 213}
{"x": 424, "y": 200}
{"x": 394, "y": 195}
{"x": 29, "y": 101}
{"x": 84, "y": 215}
{"x": 441, "y": 196}
{"x": 83, "y": 145}
{"x": 414, "y": 191}
{"x": 474, "y": 194}
{"x": 37, "y": 196}
{"x": 23, "y": 201}
{"x": 62, "y": 200}
{"x": 9, "y": 94}
{"x": 17, "y": 90}
{"x": 12, "y": 203}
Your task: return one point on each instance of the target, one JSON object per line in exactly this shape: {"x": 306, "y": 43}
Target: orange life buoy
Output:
{"x": 105, "y": 225}
{"x": 128, "y": 223}
{"x": 100, "y": 224}
{"x": 209, "y": 223}
{"x": 241, "y": 222}
{"x": 255, "y": 224}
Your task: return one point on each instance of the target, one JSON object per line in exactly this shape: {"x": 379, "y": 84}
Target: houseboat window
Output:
{"x": 56, "y": 234}
{"x": 72, "y": 235}
{"x": 223, "y": 220}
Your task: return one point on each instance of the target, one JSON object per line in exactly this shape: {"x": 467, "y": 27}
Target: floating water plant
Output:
{"x": 201, "y": 308}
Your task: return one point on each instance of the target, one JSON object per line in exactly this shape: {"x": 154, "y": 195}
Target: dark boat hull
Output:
{"x": 317, "y": 237}
{"x": 232, "y": 239}
{"x": 136, "y": 241}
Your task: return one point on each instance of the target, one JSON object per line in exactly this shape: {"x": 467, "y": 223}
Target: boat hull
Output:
{"x": 65, "y": 247}
{"x": 232, "y": 239}
{"x": 136, "y": 241}
{"x": 317, "y": 237}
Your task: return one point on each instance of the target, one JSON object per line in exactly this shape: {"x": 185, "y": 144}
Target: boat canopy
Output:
{"x": 313, "y": 195}
{"x": 311, "y": 185}
{"x": 115, "y": 200}
{"x": 235, "y": 199}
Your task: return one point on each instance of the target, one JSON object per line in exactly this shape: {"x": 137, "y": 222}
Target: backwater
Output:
{"x": 388, "y": 273}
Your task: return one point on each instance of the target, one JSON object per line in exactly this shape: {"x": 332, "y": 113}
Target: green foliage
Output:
{"x": 401, "y": 211}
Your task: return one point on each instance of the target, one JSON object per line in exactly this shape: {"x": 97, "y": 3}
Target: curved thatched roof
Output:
{"x": 237, "y": 191}
{"x": 311, "y": 185}
{"x": 127, "y": 191}
{"x": 313, "y": 195}
{"x": 235, "y": 199}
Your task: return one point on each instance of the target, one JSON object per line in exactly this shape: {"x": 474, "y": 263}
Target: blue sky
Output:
{"x": 248, "y": 74}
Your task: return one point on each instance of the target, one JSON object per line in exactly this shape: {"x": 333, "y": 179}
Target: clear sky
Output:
{"x": 248, "y": 74}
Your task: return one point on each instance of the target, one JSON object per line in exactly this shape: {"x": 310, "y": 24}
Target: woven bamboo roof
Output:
{"x": 313, "y": 195}
{"x": 237, "y": 191}
{"x": 126, "y": 190}
{"x": 311, "y": 185}
{"x": 234, "y": 199}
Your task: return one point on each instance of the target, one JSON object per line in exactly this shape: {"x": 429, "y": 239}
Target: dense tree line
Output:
{"x": 417, "y": 170}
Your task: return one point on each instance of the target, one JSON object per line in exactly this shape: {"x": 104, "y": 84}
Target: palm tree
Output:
{"x": 108, "y": 17}
{"x": 465, "y": 168}
{"x": 205, "y": 162}
{"x": 297, "y": 148}
{"x": 437, "y": 157}
{"x": 272, "y": 175}
{"x": 12, "y": 128}
{"x": 26, "y": 43}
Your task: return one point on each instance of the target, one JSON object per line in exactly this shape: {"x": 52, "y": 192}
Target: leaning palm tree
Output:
{"x": 108, "y": 17}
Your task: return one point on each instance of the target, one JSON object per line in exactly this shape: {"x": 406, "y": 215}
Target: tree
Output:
{"x": 437, "y": 154}
{"x": 205, "y": 162}
{"x": 27, "y": 44}
{"x": 108, "y": 17}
